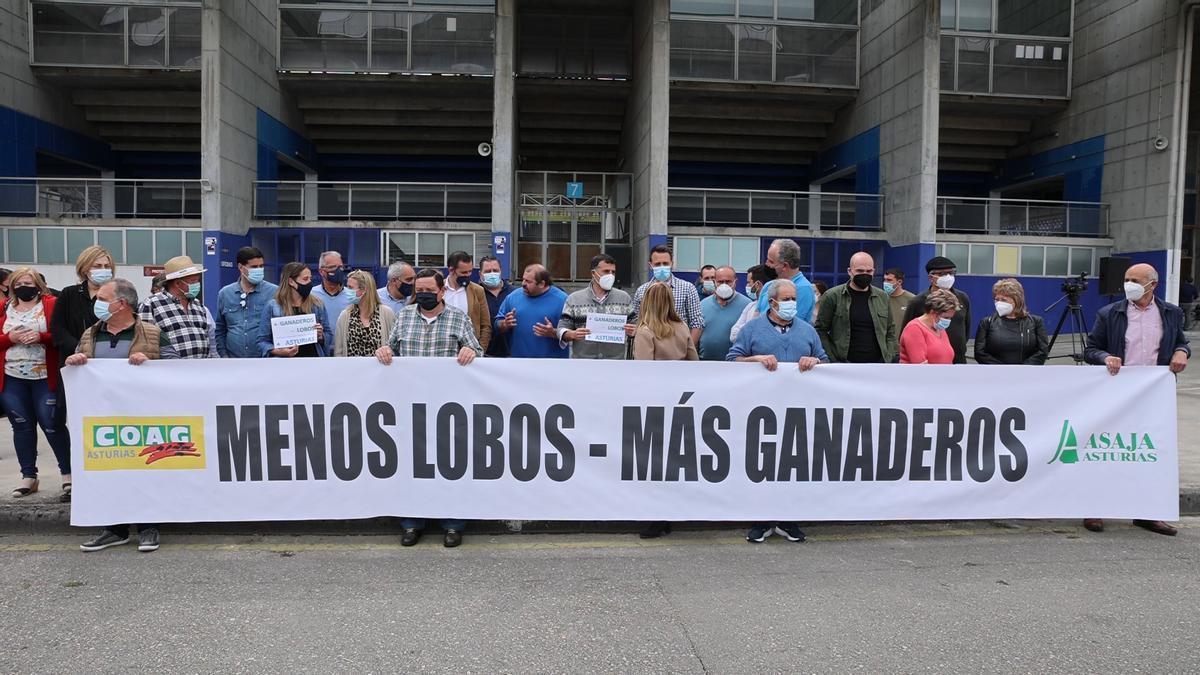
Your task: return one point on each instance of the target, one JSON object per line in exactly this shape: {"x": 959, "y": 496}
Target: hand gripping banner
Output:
{"x": 302, "y": 439}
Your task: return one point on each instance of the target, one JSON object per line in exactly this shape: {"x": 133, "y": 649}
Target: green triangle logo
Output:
{"x": 1068, "y": 446}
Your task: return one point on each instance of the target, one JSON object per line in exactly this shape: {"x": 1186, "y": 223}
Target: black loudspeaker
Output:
{"x": 1112, "y": 275}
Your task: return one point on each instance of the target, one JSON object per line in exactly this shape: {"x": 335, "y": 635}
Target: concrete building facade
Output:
{"x": 1027, "y": 138}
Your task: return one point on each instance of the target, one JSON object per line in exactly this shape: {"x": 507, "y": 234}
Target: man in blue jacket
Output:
{"x": 1140, "y": 330}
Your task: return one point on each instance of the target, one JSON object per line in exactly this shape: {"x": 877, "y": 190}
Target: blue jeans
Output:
{"x": 419, "y": 524}
{"x": 30, "y": 404}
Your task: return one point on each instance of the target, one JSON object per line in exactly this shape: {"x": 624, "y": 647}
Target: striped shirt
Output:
{"x": 687, "y": 301}
{"x": 189, "y": 331}
{"x": 416, "y": 335}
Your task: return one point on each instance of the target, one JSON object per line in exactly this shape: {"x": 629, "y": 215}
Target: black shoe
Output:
{"x": 453, "y": 538}
{"x": 410, "y": 537}
{"x": 107, "y": 538}
{"x": 148, "y": 540}
{"x": 790, "y": 531}
{"x": 655, "y": 530}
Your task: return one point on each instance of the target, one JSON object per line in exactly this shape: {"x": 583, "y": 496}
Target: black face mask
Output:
{"x": 862, "y": 280}
{"x": 304, "y": 290}
{"x": 427, "y": 301}
{"x": 464, "y": 280}
{"x": 27, "y": 293}
{"x": 406, "y": 289}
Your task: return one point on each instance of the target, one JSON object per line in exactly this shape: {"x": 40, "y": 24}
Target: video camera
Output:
{"x": 1074, "y": 286}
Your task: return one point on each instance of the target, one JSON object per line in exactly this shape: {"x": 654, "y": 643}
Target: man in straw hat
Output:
{"x": 177, "y": 313}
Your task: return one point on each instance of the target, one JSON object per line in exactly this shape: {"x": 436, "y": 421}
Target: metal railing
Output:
{"x": 795, "y": 53}
{"x": 1008, "y": 65}
{"x": 349, "y": 39}
{"x": 688, "y": 207}
{"x": 1022, "y": 217}
{"x": 360, "y": 200}
{"x": 160, "y": 34}
{"x": 99, "y": 198}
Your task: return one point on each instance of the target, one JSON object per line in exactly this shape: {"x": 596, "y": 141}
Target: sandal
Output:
{"x": 24, "y": 491}
{"x": 66, "y": 494}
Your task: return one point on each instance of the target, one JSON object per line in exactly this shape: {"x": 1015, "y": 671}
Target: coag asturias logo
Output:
{"x": 1104, "y": 446}
{"x": 111, "y": 443}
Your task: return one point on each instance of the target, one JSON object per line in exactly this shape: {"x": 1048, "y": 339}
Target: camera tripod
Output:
{"x": 1078, "y": 328}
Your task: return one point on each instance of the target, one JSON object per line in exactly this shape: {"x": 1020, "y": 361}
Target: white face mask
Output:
{"x": 1134, "y": 291}
{"x": 724, "y": 291}
{"x": 945, "y": 282}
{"x": 1004, "y": 308}
{"x": 606, "y": 281}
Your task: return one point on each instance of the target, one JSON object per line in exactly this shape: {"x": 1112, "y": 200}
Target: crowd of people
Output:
{"x": 781, "y": 320}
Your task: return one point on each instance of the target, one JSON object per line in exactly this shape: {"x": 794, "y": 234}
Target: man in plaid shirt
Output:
{"x": 428, "y": 327}
{"x": 687, "y": 301}
{"x": 183, "y": 321}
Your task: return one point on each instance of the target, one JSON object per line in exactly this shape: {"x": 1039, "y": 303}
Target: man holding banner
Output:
{"x": 431, "y": 328}
{"x": 599, "y": 305}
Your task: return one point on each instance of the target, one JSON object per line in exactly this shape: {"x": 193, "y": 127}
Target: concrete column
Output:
{"x": 644, "y": 142}
{"x": 814, "y": 207}
{"x": 504, "y": 136}
{"x": 310, "y": 196}
{"x": 108, "y": 195}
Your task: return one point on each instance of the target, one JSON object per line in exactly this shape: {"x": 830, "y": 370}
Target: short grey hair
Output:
{"x": 125, "y": 290}
{"x": 396, "y": 270}
{"x": 1153, "y": 275}
{"x": 788, "y": 252}
{"x": 326, "y": 254}
{"x": 727, "y": 267}
{"x": 777, "y": 285}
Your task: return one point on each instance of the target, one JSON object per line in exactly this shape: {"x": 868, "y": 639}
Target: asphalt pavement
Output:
{"x": 970, "y": 597}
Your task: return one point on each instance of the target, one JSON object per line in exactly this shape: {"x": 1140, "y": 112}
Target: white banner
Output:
{"x": 299, "y": 439}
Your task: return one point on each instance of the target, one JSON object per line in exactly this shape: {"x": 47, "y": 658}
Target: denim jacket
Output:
{"x": 238, "y": 319}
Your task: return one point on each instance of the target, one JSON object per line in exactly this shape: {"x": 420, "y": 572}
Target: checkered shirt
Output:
{"x": 449, "y": 332}
{"x": 687, "y": 301}
{"x": 188, "y": 330}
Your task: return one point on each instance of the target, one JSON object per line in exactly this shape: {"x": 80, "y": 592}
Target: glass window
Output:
{"x": 193, "y": 242}
{"x": 185, "y": 37}
{"x": 702, "y": 49}
{"x": 705, "y": 7}
{"x": 948, "y": 13}
{"x": 974, "y": 54}
{"x": 756, "y": 9}
{"x": 77, "y": 240}
{"x": 816, "y": 55}
{"x": 1008, "y": 260}
{"x": 982, "y": 259}
{"x": 20, "y": 245}
{"x": 1051, "y": 18}
{"x": 389, "y": 40}
{"x": 51, "y": 246}
{"x": 323, "y": 40}
{"x": 139, "y": 247}
{"x": 687, "y": 254}
{"x": 1081, "y": 261}
{"x": 1032, "y": 261}
{"x": 401, "y": 247}
{"x": 453, "y": 43}
{"x": 461, "y": 242}
{"x": 716, "y": 251}
{"x": 755, "y": 45}
{"x": 147, "y": 36}
{"x": 113, "y": 241}
{"x": 744, "y": 253}
{"x": 167, "y": 244}
{"x": 975, "y": 15}
{"x": 1056, "y": 261}
{"x": 79, "y": 34}
{"x": 431, "y": 250}
{"x": 960, "y": 254}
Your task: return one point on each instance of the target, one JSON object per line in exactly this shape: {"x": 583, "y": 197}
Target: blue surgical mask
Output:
{"x": 255, "y": 275}
{"x": 786, "y": 309}
{"x": 943, "y": 323}
{"x": 348, "y": 293}
{"x": 709, "y": 286}
{"x": 101, "y": 310}
{"x": 889, "y": 287}
{"x": 193, "y": 290}
{"x": 491, "y": 279}
{"x": 355, "y": 298}
{"x": 751, "y": 293}
{"x": 662, "y": 273}
{"x": 100, "y": 277}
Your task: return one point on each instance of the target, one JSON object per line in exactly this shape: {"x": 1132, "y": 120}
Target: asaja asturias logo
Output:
{"x": 112, "y": 443}
{"x": 1103, "y": 446}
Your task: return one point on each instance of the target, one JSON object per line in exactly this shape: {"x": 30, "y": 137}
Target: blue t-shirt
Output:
{"x": 334, "y": 306}
{"x": 523, "y": 343}
{"x": 718, "y": 323}
{"x": 805, "y": 297}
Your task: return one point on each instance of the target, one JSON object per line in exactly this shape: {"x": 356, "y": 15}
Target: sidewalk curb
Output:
{"x": 41, "y": 518}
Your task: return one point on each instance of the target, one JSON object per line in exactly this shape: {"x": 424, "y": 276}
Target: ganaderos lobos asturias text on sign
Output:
{"x": 577, "y": 440}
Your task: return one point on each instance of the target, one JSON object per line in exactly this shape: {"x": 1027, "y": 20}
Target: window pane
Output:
{"x": 975, "y": 14}
{"x": 139, "y": 247}
{"x": 948, "y": 14}
{"x": 389, "y": 40}
{"x": 960, "y": 254}
{"x": 716, "y": 251}
{"x": 1081, "y": 261}
{"x": 20, "y": 245}
{"x": 452, "y": 43}
{"x": 431, "y": 250}
{"x": 323, "y": 40}
{"x": 981, "y": 259}
{"x": 1056, "y": 261}
{"x": 687, "y": 254}
{"x": 1051, "y": 18}
{"x": 168, "y": 244}
{"x": 78, "y": 34}
{"x": 745, "y": 254}
{"x": 461, "y": 242}
{"x": 185, "y": 37}
{"x": 973, "y": 57}
{"x": 193, "y": 241}
{"x": 705, "y": 7}
{"x": 816, "y": 55}
{"x": 113, "y": 241}
{"x": 1008, "y": 260}
{"x": 702, "y": 49}
{"x": 755, "y": 43}
{"x": 401, "y": 247}
{"x": 758, "y": 9}
{"x": 147, "y": 36}
{"x": 1032, "y": 258}
{"x": 77, "y": 240}
{"x": 823, "y": 11}
{"x": 50, "y": 246}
